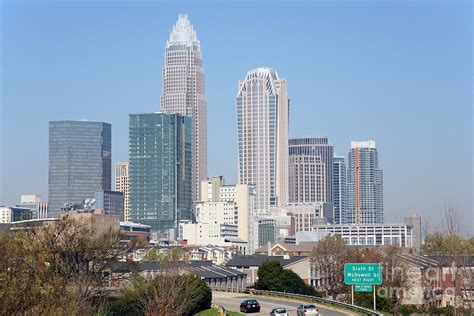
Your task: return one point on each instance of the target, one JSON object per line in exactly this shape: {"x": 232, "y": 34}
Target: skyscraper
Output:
{"x": 79, "y": 162}
{"x": 307, "y": 179}
{"x": 262, "y": 128}
{"x": 121, "y": 185}
{"x": 339, "y": 189}
{"x": 311, "y": 160}
{"x": 183, "y": 91}
{"x": 160, "y": 169}
{"x": 364, "y": 184}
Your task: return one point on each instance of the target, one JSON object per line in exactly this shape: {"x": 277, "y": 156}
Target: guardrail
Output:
{"x": 310, "y": 298}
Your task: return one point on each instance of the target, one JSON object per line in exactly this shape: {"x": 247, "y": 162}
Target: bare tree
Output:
{"x": 57, "y": 268}
{"x": 327, "y": 261}
{"x": 452, "y": 220}
{"x": 172, "y": 292}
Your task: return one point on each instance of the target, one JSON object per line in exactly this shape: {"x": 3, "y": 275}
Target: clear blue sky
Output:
{"x": 399, "y": 73}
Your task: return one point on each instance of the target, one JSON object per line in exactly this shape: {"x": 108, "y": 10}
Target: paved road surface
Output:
{"x": 231, "y": 301}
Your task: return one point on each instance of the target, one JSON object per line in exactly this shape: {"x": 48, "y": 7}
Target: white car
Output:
{"x": 307, "y": 310}
{"x": 280, "y": 311}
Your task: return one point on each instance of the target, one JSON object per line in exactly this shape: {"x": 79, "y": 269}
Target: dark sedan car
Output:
{"x": 249, "y": 306}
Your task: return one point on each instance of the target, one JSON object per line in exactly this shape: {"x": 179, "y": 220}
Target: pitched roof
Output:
{"x": 213, "y": 272}
{"x": 305, "y": 246}
{"x": 447, "y": 260}
{"x": 257, "y": 260}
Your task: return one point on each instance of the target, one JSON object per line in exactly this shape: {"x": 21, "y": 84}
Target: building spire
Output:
{"x": 183, "y": 32}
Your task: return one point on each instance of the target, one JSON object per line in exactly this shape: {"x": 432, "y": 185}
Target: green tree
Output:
{"x": 272, "y": 277}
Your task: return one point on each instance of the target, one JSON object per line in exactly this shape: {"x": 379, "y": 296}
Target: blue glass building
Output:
{"x": 79, "y": 162}
{"x": 339, "y": 189}
{"x": 160, "y": 169}
{"x": 364, "y": 184}
{"x": 110, "y": 203}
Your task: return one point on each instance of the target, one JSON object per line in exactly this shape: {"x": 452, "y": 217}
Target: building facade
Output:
{"x": 415, "y": 222}
{"x": 35, "y": 204}
{"x": 228, "y": 205}
{"x": 110, "y": 203}
{"x": 339, "y": 189}
{"x": 160, "y": 170}
{"x": 364, "y": 184}
{"x": 80, "y": 162}
{"x": 307, "y": 215}
{"x": 310, "y": 168}
{"x": 361, "y": 235}
{"x": 121, "y": 185}
{"x": 262, "y": 128}
{"x": 183, "y": 91}
{"x": 267, "y": 231}
{"x": 14, "y": 214}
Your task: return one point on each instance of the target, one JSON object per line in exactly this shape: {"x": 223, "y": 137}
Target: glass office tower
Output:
{"x": 160, "y": 169}
{"x": 80, "y": 155}
{"x": 364, "y": 184}
{"x": 339, "y": 189}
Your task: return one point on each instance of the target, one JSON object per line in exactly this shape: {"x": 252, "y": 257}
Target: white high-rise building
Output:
{"x": 183, "y": 91}
{"x": 222, "y": 205}
{"x": 262, "y": 127}
{"x": 121, "y": 185}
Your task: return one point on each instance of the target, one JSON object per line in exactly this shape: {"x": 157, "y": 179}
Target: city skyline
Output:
{"x": 388, "y": 144}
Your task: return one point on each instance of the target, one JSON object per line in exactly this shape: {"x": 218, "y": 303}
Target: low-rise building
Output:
{"x": 284, "y": 249}
{"x": 360, "y": 235}
{"x": 439, "y": 280}
{"x": 198, "y": 234}
{"x": 218, "y": 278}
{"x": 132, "y": 230}
{"x": 10, "y": 214}
{"x": 35, "y": 204}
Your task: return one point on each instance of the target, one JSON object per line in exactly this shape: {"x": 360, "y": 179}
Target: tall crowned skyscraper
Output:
{"x": 183, "y": 91}
{"x": 80, "y": 164}
{"x": 262, "y": 128}
{"x": 160, "y": 169}
{"x": 339, "y": 189}
{"x": 364, "y": 184}
{"x": 311, "y": 160}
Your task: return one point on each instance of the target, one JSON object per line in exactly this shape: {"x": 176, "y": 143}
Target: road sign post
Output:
{"x": 375, "y": 308}
{"x": 352, "y": 293}
{"x": 364, "y": 276}
{"x": 362, "y": 273}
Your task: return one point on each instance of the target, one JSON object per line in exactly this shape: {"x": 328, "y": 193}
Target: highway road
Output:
{"x": 231, "y": 301}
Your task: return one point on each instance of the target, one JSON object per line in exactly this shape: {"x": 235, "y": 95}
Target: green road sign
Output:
{"x": 362, "y": 273}
{"x": 363, "y": 288}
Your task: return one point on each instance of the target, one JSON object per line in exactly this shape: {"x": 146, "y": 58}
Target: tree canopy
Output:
{"x": 272, "y": 277}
